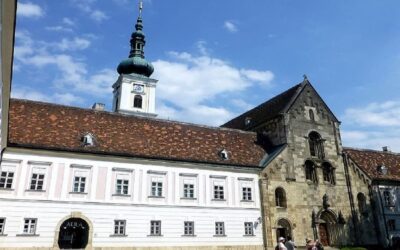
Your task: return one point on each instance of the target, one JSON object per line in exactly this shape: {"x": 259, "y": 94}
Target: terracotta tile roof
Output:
{"x": 370, "y": 160}
{"x": 55, "y": 127}
{"x": 265, "y": 111}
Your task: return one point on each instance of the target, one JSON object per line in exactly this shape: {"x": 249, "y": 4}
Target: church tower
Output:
{"x": 134, "y": 91}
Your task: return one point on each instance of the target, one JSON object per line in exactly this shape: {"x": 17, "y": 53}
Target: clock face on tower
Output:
{"x": 138, "y": 88}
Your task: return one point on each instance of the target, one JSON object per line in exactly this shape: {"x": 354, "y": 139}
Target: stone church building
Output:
{"x": 73, "y": 178}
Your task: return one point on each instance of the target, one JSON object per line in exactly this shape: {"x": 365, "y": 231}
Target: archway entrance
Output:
{"x": 73, "y": 234}
{"x": 327, "y": 227}
{"x": 283, "y": 229}
{"x": 323, "y": 234}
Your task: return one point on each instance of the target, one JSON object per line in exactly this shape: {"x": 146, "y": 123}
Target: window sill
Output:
{"x": 250, "y": 201}
{"x": 35, "y": 191}
{"x": 28, "y": 235}
{"x": 121, "y": 195}
{"x": 188, "y": 198}
{"x": 118, "y": 235}
{"x": 218, "y": 200}
{"x": 189, "y": 235}
{"x": 219, "y": 235}
{"x": 3, "y": 235}
{"x": 311, "y": 183}
{"x": 77, "y": 192}
{"x": 153, "y": 235}
{"x": 7, "y": 189}
{"x": 157, "y": 197}
{"x": 281, "y": 208}
{"x": 249, "y": 235}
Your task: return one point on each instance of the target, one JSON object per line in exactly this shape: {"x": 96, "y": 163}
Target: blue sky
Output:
{"x": 216, "y": 59}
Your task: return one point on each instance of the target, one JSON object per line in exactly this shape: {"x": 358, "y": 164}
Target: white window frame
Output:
{"x": 2, "y": 225}
{"x": 245, "y": 183}
{"x": 160, "y": 178}
{"x": 188, "y": 228}
{"x": 8, "y": 169}
{"x": 155, "y": 228}
{"x": 120, "y": 227}
{"x": 80, "y": 180}
{"x": 124, "y": 187}
{"x": 38, "y": 171}
{"x": 219, "y": 228}
{"x": 249, "y": 228}
{"x": 30, "y": 226}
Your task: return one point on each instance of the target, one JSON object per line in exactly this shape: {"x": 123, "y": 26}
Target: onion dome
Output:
{"x": 136, "y": 63}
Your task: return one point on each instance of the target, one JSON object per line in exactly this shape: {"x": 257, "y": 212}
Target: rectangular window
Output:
{"x": 188, "y": 227}
{"x": 156, "y": 188}
{"x": 30, "y": 226}
{"x": 220, "y": 228}
{"x": 218, "y": 191}
{"x": 37, "y": 181}
{"x": 122, "y": 186}
{"x": 248, "y": 228}
{"x": 119, "y": 227}
{"x": 2, "y": 225}
{"x": 388, "y": 198}
{"x": 246, "y": 194}
{"x": 392, "y": 225}
{"x": 6, "y": 179}
{"x": 155, "y": 228}
{"x": 188, "y": 189}
{"x": 79, "y": 184}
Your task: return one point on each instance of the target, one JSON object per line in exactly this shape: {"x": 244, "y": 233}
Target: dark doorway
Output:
{"x": 284, "y": 229}
{"x": 323, "y": 234}
{"x": 74, "y": 234}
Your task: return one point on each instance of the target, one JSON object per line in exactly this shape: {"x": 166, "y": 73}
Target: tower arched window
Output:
{"x": 310, "y": 171}
{"x": 311, "y": 114}
{"x": 280, "y": 197}
{"x": 316, "y": 145}
{"x": 362, "y": 203}
{"x": 138, "y": 101}
{"x": 328, "y": 173}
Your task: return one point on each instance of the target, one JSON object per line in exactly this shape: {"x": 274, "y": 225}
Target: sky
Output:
{"x": 216, "y": 59}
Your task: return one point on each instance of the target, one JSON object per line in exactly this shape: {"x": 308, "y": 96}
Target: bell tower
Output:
{"x": 134, "y": 91}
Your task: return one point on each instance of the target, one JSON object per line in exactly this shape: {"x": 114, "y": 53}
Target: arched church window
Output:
{"x": 388, "y": 198}
{"x": 310, "y": 170}
{"x": 280, "y": 197}
{"x": 328, "y": 173}
{"x": 316, "y": 145}
{"x": 311, "y": 114}
{"x": 362, "y": 203}
{"x": 137, "y": 101}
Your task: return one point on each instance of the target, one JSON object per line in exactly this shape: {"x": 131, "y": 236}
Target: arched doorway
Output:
{"x": 283, "y": 229}
{"x": 73, "y": 234}
{"x": 327, "y": 227}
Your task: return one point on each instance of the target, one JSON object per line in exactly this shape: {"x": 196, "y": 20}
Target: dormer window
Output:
{"x": 88, "y": 140}
{"x": 247, "y": 121}
{"x": 224, "y": 154}
{"x": 383, "y": 170}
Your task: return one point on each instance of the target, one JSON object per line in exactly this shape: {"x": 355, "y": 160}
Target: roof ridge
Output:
{"x": 133, "y": 116}
{"x": 372, "y": 150}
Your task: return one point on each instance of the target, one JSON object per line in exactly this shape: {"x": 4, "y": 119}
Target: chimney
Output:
{"x": 98, "y": 106}
{"x": 385, "y": 149}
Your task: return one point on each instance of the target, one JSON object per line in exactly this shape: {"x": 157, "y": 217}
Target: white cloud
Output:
{"x": 68, "y": 21}
{"x": 98, "y": 16}
{"x": 29, "y": 9}
{"x": 230, "y": 26}
{"x": 386, "y": 114}
{"x": 87, "y": 7}
{"x": 58, "y": 28}
{"x": 77, "y": 43}
{"x": 31, "y": 94}
{"x": 372, "y": 139}
{"x": 187, "y": 84}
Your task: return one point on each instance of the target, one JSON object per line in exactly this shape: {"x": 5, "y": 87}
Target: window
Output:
{"x": 156, "y": 188}
{"x": 79, "y": 184}
{"x": 30, "y": 226}
{"x": 392, "y": 225}
{"x": 362, "y": 205}
{"x": 311, "y": 114}
{"x": 218, "y": 190}
{"x": 155, "y": 228}
{"x": 122, "y": 186}
{"x": 248, "y": 229}
{"x": 6, "y": 179}
{"x": 37, "y": 181}
{"x": 219, "y": 228}
{"x": 328, "y": 173}
{"x": 188, "y": 189}
{"x": 137, "y": 101}
{"x": 88, "y": 140}
{"x": 311, "y": 174}
{"x": 2, "y": 225}
{"x": 188, "y": 228}
{"x": 246, "y": 194}
{"x": 280, "y": 197}
{"x": 388, "y": 198}
{"x": 119, "y": 227}
{"x": 316, "y": 145}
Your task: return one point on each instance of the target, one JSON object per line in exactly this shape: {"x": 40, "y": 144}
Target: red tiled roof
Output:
{"x": 55, "y": 127}
{"x": 370, "y": 160}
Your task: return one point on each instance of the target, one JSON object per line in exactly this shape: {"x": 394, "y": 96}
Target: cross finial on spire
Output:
{"x": 140, "y": 8}
{"x": 305, "y": 77}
